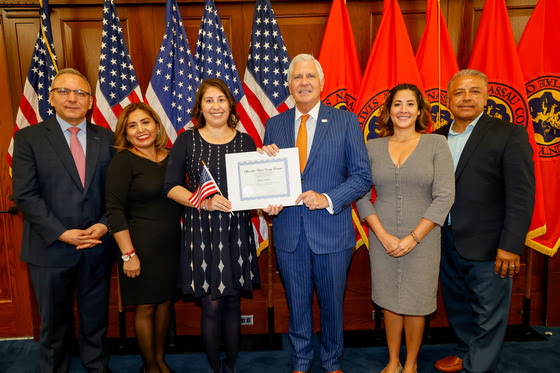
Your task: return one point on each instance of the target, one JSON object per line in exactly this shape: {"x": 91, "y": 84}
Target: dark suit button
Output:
{"x": 85, "y": 199}
{"x": 302, "y": 181}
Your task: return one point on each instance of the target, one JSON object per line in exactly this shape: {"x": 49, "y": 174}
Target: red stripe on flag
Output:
{"x": 27, "y": 111}
{"x": 117, "y": 109}
{"x": 283, "y": 107}
{"x": 98, "y": 118}
{"x": 248, "y": 125}
{"x": 255, "y": 104}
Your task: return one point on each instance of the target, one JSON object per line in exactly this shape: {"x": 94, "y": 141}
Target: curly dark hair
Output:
{"x": 384, "y": 122}
{"x": 197, "y": 108}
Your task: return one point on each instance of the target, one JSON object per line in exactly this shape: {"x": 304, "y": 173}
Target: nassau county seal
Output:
{"x": 544, "y": 106}
{"x": 441, "y": 115}
{"x": 340, "y": 99}
{"x": 369, "y": 113}
{"x": 506, "y": 103}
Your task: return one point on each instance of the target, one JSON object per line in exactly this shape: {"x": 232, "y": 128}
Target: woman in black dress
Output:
{"x": 146, "y": 226}
{"x": 218, "y": 251}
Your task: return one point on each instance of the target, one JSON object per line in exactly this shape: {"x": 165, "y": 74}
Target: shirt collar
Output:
{"x": 64, "y": 125}
{"x": 470, "y": 126}
{"x": 314, "y": 113}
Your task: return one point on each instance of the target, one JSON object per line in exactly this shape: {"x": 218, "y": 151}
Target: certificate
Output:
{"x": 256, "y": 180}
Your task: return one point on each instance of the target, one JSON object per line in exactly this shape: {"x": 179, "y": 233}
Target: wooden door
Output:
{"x": 15, "y": 291}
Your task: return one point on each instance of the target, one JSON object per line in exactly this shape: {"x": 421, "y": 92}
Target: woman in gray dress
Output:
{"x": 414, "y": 182}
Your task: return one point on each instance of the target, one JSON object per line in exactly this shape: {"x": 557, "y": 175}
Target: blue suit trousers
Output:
{"x": 55, "y": 289}
{"x": 301, "y": 270}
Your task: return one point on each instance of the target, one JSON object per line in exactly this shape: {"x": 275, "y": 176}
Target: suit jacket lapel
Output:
{"x": 480, "y": 130}
{"x": 92, "y": 153}
{"x": 321, "y": 129}
{"x": 60, "y": 146}
{"x": 289, "y": 131}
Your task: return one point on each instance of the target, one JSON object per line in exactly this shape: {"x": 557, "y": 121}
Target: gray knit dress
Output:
{"x": 422, "y": 187}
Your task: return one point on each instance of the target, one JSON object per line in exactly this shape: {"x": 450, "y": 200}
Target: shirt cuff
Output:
{"x": 330, "y": 208}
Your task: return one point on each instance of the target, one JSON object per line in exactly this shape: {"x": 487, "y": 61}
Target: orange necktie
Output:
{"x": 301, "y": 142}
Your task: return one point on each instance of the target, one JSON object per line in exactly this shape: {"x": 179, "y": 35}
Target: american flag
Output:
{"x": 117, "y": 85}
{"x": 174, "y": 81}
{"x": 206, "y": 187}
{"x": 213, "y": 59}
{"x": 266, "y": 77}
{"x": 265, "y": 85}
{"x": 34, "y": 106}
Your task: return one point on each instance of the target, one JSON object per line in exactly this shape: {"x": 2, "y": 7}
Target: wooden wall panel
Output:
{"x": 76, "y": 26}
{"x": 20, "y": 29}
{"x": 552, "y": 292}
{"x": 15, "y": 292}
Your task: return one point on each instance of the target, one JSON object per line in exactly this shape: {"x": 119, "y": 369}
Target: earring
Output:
{"x": 126, "y": 137}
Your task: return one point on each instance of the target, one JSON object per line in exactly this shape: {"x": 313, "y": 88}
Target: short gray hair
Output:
{"x": 69, "y": 70}
{"x": 303, "y": 57}
{"x": 468, "y": 72}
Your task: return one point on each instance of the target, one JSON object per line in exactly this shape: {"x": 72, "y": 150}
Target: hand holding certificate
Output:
{"x": 256, "y": 180}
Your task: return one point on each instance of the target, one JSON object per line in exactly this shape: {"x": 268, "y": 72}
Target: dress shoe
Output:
{"x": 398, "y": 370}
{"x": 449, "y": 364}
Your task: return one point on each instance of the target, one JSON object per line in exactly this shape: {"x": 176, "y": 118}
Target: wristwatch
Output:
{"x": 126, "y": 257}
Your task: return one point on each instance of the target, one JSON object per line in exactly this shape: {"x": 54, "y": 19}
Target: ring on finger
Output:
{"x": 512, "y": 266}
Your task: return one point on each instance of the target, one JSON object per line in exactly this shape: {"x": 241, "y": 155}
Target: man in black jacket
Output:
{"x": 485, "y": 233}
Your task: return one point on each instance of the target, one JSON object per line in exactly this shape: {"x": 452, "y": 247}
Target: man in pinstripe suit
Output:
{"x": 314, "y": 240}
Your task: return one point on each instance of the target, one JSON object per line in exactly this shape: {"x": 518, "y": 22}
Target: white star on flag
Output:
{"x": 34, "y": 106}
{"x": 117, "y": 85}
{"x": 174, "y": 72}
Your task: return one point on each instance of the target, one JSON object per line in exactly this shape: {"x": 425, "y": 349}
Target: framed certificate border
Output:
{"x": 256, "y": 180}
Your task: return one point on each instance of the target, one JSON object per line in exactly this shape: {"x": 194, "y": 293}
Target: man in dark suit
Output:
{"x": 65, "y": 242}
{"x": 485, "y": 233}
{"x": 314, "y": 241}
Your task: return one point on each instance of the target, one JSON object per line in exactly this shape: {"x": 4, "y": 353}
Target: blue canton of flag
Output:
{"x": 213, "y": 56}
{"x": 266, "y": 75}
{"x": 174, "y": 81}
{"x": 266, "y": 88}
{"x": 117, "y": 85}
{"x": 34, "y": 106}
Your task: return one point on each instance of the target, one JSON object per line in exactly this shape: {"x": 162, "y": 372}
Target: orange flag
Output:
{"x": 339, "y": 60}
{"x": 437, "y": 64}
{"x": 540, "y": 61}
{"x": 507, "y": 99}
{"x": 390, "y": 63}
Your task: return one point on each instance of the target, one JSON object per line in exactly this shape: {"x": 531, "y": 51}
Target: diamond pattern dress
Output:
{"x": 218, "y": 250}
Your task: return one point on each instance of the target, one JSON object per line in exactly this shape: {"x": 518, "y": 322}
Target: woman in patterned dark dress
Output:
{"x": 146, "y": 226}
{"x": 218, "y": 253}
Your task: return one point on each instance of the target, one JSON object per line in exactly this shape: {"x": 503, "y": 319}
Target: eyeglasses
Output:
{"x": 65, "y": 92}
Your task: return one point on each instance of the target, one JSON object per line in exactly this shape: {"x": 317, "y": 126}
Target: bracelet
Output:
{"x": 415, "y": 238}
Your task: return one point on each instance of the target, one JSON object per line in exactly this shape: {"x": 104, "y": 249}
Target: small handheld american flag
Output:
{"x": 206, "y": 187}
